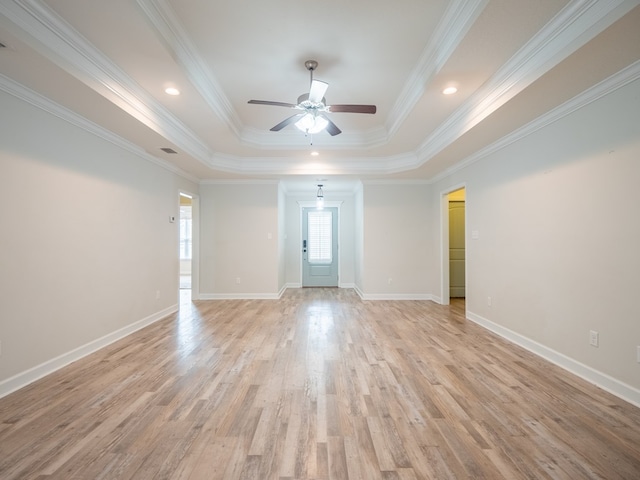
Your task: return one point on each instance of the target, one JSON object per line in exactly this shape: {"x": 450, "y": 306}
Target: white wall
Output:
{"x": 396, "y": 240}
{"x": 559, "y": 229}
{"x": 239, "y": 229}
{"x": 86, "y": 242}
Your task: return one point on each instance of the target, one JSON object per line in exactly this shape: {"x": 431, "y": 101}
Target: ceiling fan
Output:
{"x": 313, "y": 108}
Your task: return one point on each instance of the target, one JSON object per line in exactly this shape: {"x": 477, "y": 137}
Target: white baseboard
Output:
{"x": 396, "y": 296}
{"x": 241, "y": 296}
{"x": 392, "y": 296}
{"x": 25, "y": 378}
{"x": 602, "y": 380}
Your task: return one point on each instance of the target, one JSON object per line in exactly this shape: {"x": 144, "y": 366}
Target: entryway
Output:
{"x": 320, "y": 247}
{"x": 453, "y": 245}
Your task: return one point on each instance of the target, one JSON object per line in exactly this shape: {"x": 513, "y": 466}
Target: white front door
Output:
{"x": 320, "y": 247}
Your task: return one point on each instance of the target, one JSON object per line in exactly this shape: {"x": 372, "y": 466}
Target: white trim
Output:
{"x": 607, "y": 86}
{"x": 242, "y": 296}
{"x": 450, "y": 31}
{"x": 242, "y": 181}
{"x": 52, "y": 36}
{"x": 164, "y": 19}
{"x": 327, "y": 204}
{"x": 43, "y": 103}
{"x": 31, "y": 375}
{"x": 602, "y": 380}
{"x": 396, "y": 296}
{"x": 572, "y": 27}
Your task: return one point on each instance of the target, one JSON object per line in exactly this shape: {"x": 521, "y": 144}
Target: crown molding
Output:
{"x": 35, "y": 99}
{"x": 395, "y": 181}
{"x": 453, "y": 27}
{"x": 575, "y": 25}
{"x": 292, "y": 166}
{"x": 625, "y": 76}
{"x": 42, "y": 29}
{"x": 45, "y": 31}
{"x": 163, "y": 18}
{"x": 239, "y": 182}
{"x": 295, "y": 139}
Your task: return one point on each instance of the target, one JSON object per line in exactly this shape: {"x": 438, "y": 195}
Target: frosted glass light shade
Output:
{"x": 310, "y": 123}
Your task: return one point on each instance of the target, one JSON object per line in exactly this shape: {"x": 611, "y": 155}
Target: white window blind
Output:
{"x": 320, "y": 236}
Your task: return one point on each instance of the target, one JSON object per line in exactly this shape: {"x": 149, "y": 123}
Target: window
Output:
{"x": 185, "y": 232}
{"x": 320, "y": 236}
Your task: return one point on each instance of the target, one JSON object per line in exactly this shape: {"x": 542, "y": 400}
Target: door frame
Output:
{"x": 311, "y": 204}
{"x": 445, "y": 298}
{"x": 195, "y": 242}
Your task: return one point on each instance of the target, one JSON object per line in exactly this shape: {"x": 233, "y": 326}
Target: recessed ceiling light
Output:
{"x": 315, "y": 154}
{"x": 450, "y": 90}
{"x": 171, "y": 91}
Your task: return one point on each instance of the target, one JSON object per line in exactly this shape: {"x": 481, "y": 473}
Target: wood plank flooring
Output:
{"x": 316, "y": 385}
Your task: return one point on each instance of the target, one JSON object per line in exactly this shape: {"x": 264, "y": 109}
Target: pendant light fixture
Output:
{"x": 320, "y": 198}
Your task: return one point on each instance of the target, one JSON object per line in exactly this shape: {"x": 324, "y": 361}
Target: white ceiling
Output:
{"x": 105, "y": 65}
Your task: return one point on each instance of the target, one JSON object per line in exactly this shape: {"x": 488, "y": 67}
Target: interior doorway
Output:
{"x": 457, "y": 252}
{"x": 453, "y": 245}
{"x": 186, "y": 241}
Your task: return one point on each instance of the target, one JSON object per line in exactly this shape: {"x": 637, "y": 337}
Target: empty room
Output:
{"x": 332, "y": 240}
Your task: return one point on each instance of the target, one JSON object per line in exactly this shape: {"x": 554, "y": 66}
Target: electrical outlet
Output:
{"x": 594, "y": 338}
{"x": 489, "y": 301}
{"x": 390, "y": 280}
{"x": 1, "y": 351}
{"x": 638, "y": 354}
{"x": 237, "y": 280}
{"x": 157, "y": 294}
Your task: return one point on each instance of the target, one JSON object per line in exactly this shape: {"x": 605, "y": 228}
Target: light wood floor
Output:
{"x": 317, "y": 385}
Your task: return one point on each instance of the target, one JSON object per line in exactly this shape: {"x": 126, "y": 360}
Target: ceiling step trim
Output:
{"x": 575, "y": 25}
{"x": 37, "y": 100}
{"x": 456, "y": 22}
{"x": 627, "y": 75}
{"x": 165, "y": 22}
{"x": 44, "y": 30}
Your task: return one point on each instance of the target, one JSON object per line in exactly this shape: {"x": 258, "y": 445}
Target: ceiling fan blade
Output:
{"x": 277, "y": 104}
{"x": 317, "y": 91}
{"x": 286, "y": 122}
{"x": 332, "y": 129}
{"x": 352, "y": 108}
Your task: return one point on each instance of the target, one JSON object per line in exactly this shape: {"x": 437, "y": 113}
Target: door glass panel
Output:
{"x": 320, "y": 236}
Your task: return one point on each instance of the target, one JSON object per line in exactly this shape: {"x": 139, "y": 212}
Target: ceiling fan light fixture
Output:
{"x": 310, "y": 123}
